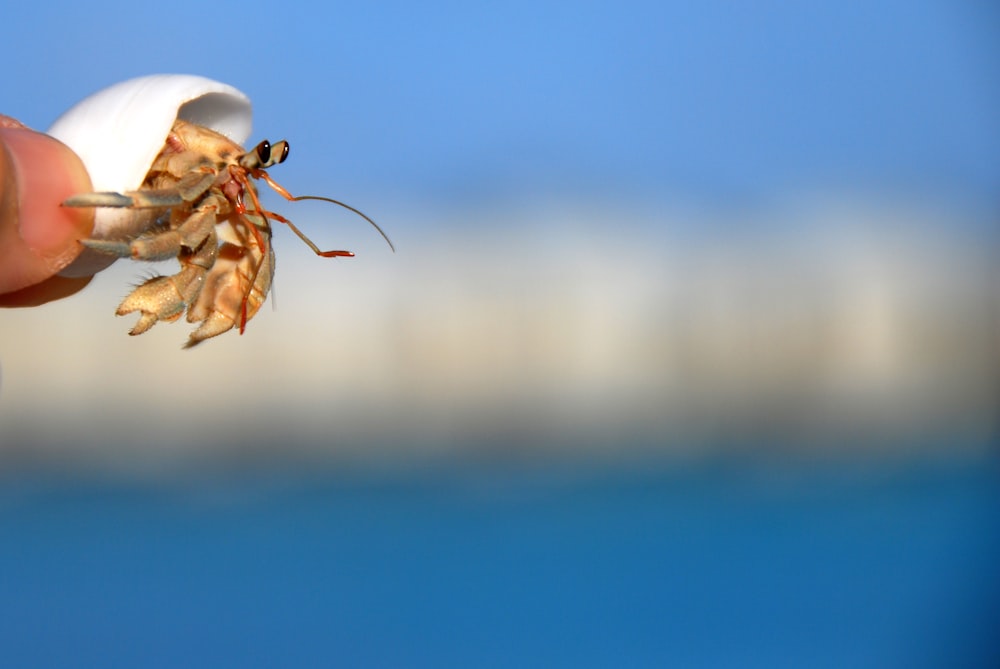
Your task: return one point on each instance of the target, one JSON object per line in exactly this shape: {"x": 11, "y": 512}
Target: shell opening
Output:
{"x": 224, "y": 113}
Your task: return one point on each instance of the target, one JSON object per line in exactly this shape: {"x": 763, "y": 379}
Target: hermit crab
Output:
{"x": 184, "y": 189}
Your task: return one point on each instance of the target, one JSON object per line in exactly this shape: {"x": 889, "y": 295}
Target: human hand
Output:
{"x": 38, "y": 237}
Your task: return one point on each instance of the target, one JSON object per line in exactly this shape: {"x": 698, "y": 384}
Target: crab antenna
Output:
{"x": 258, "y": 173}
{"x": 349, "y": 207}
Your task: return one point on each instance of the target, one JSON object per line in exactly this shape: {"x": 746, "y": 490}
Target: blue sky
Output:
{"x": 457, "y": 100}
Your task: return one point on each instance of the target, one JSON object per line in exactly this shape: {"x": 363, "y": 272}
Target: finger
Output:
{"x": 37, "y": 236}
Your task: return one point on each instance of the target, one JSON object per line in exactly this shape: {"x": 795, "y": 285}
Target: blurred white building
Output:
{"x": 826, "y": 327}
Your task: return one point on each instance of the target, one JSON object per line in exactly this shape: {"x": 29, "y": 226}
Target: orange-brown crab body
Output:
{"x": 203, "y": 210}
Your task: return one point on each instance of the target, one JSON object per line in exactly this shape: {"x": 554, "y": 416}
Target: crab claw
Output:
{"x": 159, "y": 299}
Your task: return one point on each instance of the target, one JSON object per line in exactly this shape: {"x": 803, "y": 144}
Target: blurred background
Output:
{"x": 688, "y": 354}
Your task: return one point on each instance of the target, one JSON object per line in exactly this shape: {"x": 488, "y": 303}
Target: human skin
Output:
{"x": 38, "y": 237}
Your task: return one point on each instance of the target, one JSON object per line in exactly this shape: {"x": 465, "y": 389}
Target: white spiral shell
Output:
{"x": 119, "y": 131}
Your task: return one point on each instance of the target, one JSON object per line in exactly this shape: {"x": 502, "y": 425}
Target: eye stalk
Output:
{"x": 264, "y": 155}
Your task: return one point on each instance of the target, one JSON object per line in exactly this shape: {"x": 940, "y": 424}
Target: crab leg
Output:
{"x": 162, "y": 245}
{"x": 188, "y": 189}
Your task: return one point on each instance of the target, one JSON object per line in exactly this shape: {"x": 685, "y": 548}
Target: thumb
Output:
{"x": 37, "y": 236}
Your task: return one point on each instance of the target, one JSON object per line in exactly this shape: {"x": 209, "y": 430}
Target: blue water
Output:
{"x": 835, "y": 565}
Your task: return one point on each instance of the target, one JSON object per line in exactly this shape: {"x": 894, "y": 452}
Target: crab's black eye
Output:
{"x": 264, "y": 152}
{"x": 284, "y": 151}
